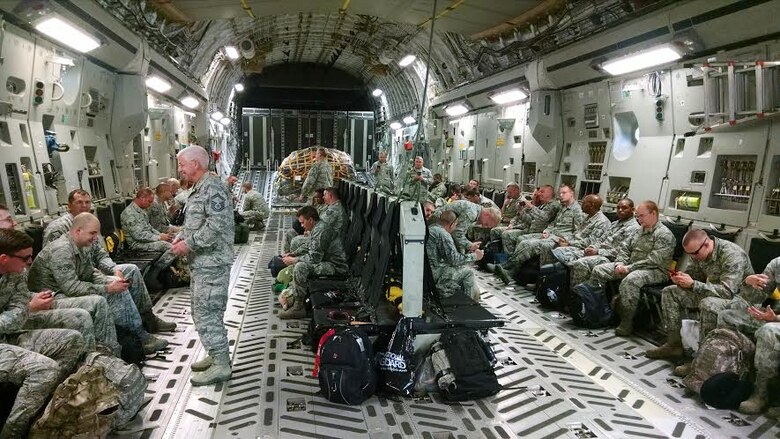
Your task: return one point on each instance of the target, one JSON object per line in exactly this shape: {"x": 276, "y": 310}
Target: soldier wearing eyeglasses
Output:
{"x": 717, "y": 269}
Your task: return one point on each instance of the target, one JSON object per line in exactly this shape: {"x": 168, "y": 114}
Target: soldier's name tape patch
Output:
{"x": 218, "y": 202}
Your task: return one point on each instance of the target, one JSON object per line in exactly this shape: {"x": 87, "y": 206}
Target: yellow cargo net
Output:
{"x": 295, "y": 167}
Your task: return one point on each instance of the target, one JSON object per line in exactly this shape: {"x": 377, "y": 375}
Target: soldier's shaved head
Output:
{"x": 247, "y": 186}
{"x": 83, "y": 220}
{"x": 144, "y": 192}
{"x": 694, "y": 235}
{"x": 447, "y": 217}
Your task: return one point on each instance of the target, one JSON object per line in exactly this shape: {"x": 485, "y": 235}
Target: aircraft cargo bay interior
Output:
{"x": 401, "y": 219}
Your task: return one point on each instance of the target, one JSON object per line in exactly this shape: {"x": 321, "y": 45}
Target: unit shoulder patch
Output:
{"x": 218, "y": 202}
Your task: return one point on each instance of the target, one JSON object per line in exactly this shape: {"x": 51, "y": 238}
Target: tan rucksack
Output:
{"x": 84, "y": 406}
{"x": 723, "y": 350}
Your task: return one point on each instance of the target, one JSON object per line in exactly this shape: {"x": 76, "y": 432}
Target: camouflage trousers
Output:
{"x": 65, "y": 346}
{"x": 384, "y": 185}
{"x": 37, "y": 376}
{"x": 581, "y": 269}
{"x": 767, "y": 351}
{"x": 254, "y": 218}
{"x": 496, "y": 232}
{"x": 740, "y": 320}
{"x": 164, "y": 261}
{"x": 511, "y": 237}
{"x": 674, "y": 302}
{"x": 451, "y": 280}
{"x": 629, "y": 285}
{"x": 76, "y": 313}
{"x": 209, "y": 287}
{"x": 138, "y": 291}
{"x": 567, "y": 255}
{"x": 710, "y": 309}
{"x": 299, "y": 245}
{"x": 527, "y": 249}
{"x": 478, "y": 233}
{"x": 303, "y": 270}
{"x": 288, "y": 237}
{"x": 125, "y": 313}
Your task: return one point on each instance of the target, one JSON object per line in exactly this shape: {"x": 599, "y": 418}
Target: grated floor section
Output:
{"x": 560, "y": 381}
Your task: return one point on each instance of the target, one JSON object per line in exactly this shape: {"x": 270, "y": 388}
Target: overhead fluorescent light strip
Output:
{"x": 190, "y": 102}
{"x": 408, "y": 59}
{"x": 456, "y": 110}
{"x": 239, "y": 87}
{"x": 409, "y": 120}
{"x": 158, "y": 84}
{"x": 642, "y": 60}
{"x": 217, "y": 115}
{"x": 225, "y": 121}
{"x": 376, "y": 93}
{"x": 67, "y": 34}
{"x": 508, "y": 96}
{"x": 396, "y": 126}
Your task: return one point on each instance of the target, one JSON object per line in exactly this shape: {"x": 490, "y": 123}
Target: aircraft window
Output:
{"x": 626, "y": 130}
{"x": 15, "y": 85}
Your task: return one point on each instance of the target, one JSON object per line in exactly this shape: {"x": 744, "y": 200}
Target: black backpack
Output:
{"x": 553, "y": 288}
{"x": 465, "y": 372}
{"x": 589, "y": 307}
{"x": 346, "y": 367}
{"x": 132, "y": 347}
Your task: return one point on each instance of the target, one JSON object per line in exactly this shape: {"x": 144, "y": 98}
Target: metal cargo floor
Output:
{"x": 563, "y": 381}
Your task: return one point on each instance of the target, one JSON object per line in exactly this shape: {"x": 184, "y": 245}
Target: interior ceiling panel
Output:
{"x": 465, "y": 16}
{"x": 367, "y": 38}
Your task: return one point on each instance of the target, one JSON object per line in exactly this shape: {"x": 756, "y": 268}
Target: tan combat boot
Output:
{"x": 218, "y": 372}
{"x": 673, "y": 348}
{"x": 296, "y": 311}
{"x": 201, "y": 365}
{"x": 759, "y": 399}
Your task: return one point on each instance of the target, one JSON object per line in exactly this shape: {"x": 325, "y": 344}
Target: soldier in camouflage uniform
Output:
{"x": 325, "y": 257}
{"x": 468, "y": 214}
{"x": 591, "y": 231}
{"x": 582, "y": 261}
{"x": 65, "y": 265}
{"x": 207, "y": 238}
{"x": 416, "y": 183}
{"x": 293, "y": 241}
{"x": 89, "y": 315}
{"x": 320, "y": 176}
{"x": 255, "y": 209}
{"x": 437, "y": 190}
{"x": 717, "y": 269}
{"x": 450, "y": 268}
{"x": 561, "y": 230}
{"x": 508, "y": 211}
{"x": 140, "y": 235}
{"x": 383, "y": 172}
{"x": 532, "y": 219}
{"x": 79, "y": 201}
{"x": 36, "y": 375}
{"x": 335, "y": 216}
{"x": 158, "y": 212}
{"x": 644, "y": 260}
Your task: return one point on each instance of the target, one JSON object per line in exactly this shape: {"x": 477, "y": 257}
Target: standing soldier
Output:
{"x": 383, "y": 172}
{"x": 207, "y": 237}
{"x": 417, "y": 181}
{"x": 255, "y": 209}
{"x": 320, "y": 176}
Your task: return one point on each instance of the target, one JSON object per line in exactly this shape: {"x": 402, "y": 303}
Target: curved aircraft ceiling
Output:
{"x": 367, "y": 38}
